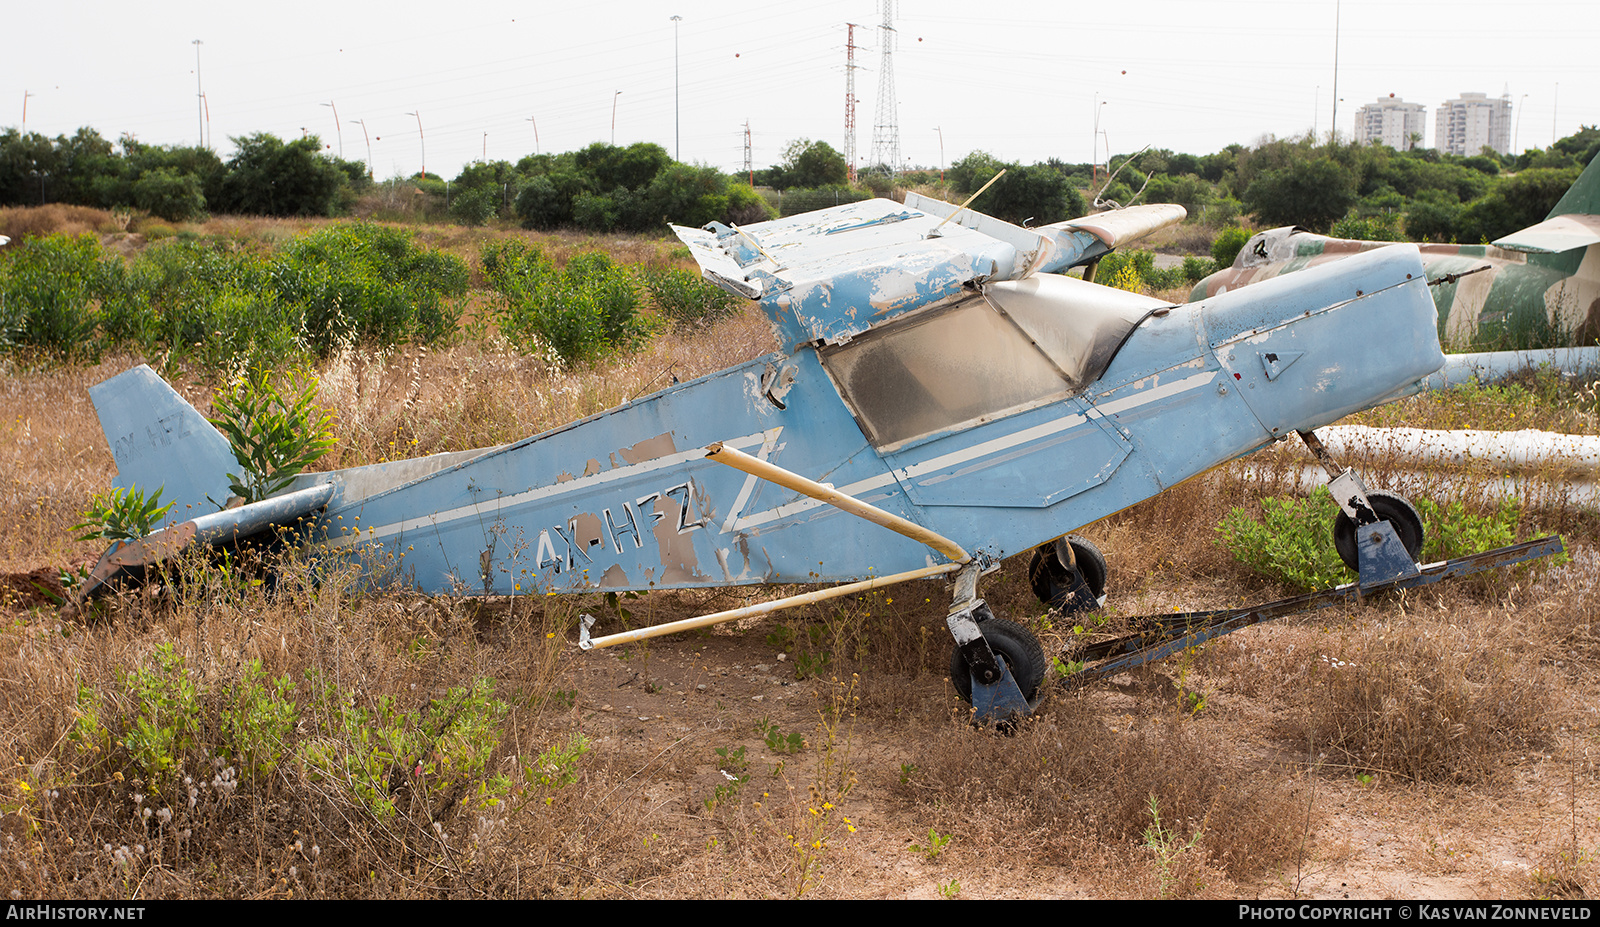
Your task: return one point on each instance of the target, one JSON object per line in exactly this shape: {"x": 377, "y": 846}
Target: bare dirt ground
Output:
{"x": 1522, "y": 832}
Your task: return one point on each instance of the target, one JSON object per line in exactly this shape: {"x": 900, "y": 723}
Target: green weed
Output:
{"x": 1291, "y": 542}
{"x": 557, "y": 766}
{"x": 777, "y": 741}
{"x": 1167, "y": 846}
{"x": 121, "y": 514}
{"x": 259, "y": 720}
{"x": 275, "y": 433}
{"x": 166, "y": 719}
{"x": 936, "y": 845}
{"x": 439, "y": 753}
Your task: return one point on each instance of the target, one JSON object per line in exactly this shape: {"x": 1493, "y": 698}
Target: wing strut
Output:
{"x": 788, "y": 479}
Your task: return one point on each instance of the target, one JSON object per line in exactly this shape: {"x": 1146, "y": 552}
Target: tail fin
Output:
{"x": 1583, "y": 197}
{"x": 160, "y": 441}
{"x": 1573, "y": 223}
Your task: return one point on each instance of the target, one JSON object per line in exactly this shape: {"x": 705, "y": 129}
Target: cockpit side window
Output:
{"x": 931, "y": 374}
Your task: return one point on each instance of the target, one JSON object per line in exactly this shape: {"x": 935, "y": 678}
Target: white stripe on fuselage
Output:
{"x": 500, "y": 503}
{"x": 767, "y": 440}
{"x": 985, "y": 449}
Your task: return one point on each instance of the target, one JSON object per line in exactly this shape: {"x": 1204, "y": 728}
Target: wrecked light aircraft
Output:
{"x": 942, "y": 398}
{"x": 1538, "y": 287}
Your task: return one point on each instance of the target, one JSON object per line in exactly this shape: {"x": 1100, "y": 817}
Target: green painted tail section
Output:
{"x": 1583, "y": 197}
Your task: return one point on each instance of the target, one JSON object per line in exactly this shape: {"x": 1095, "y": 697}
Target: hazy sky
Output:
{"x": 1019, "y": 80}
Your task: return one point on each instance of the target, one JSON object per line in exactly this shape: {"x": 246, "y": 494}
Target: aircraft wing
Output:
{"x": 1554, "y": 235}
{"x": 830, "y": 275}
{"x": 1120, "y": 227}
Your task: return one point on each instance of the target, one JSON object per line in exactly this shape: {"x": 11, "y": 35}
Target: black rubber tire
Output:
{"x": 1014, "y": 644}
{"x": 1390, "y": 508}
{"x": 1053, "y": 583}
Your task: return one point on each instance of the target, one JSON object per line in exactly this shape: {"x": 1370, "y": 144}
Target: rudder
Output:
{"x": 160, "y": 441}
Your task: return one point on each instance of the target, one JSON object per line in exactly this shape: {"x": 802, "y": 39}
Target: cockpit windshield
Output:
{"x": 1013, "y": 346}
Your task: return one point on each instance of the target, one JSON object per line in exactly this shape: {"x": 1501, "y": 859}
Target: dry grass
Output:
{"x": 21, "y": 222}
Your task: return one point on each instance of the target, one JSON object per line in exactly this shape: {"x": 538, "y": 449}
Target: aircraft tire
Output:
{"x": 1013, "y": 643}
{"x": 1054, "y": 583}
{"x": 1390, "y": 508}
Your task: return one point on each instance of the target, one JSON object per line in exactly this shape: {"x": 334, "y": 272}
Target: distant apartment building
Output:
{"x": 1392, "y": 121}
{"x": 1465, "y": 125}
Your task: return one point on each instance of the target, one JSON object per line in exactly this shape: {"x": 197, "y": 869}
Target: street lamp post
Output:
{"x": 1517, "y": 132}
{"x": 337, "y": 128}
{"x": 200, "y": 95}
{"x": 363, "y": 124}
{"x": 535, "y": 134}
{"x": 677, "y": 131}
{"x": 1094, "y": 154}
{"x": 614, "y": 118}
{"x": 423, "y": 142}
{"x": 940, "y": 130}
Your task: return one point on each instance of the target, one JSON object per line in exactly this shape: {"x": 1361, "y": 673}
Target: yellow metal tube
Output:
{"x": 805, "y": 598}
{"x": 772, "y": 473}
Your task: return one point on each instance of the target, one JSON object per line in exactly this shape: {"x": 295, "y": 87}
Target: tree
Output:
{"x": 809, "y": 164}
{"x": 545, "y": 201}
{"x": 480, "y": 190}
{"x": 270, "y": 177}
{"x": 25, "y": 162}
{"x": 1034, "y": 195}
{"x": 1432, "y": 216}
{"x": 165, "y": 193}
{"x": 79, "y": 160}
{"x": 1309, "y": 193}
{"x": 682, "y": 194}
{"x": 1515, "y": 203}
{"x": 1188, "y": 191}
{"x": 609, "y": 167}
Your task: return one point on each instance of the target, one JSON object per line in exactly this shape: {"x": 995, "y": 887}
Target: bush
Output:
{"x": 746, "y": 206}
{"x": 1379, "y": 227}
{"x": 169, "y": 194}
{"x": 1292, "y": 541}
{"x": 195, "y": 301}
{"x": 581, "y": 313}
{"x": 49, "y": 290}
{"x": 369, "y": 284}
{"x": 1228, "y": 244}
{"x": 475, "y": 207}
{"x": 1137, "y": 271}
{"x": 683, "y": 298}
{"x": 1197, "y": 269}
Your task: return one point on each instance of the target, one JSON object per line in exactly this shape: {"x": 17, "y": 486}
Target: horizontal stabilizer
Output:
{"x": 1554, "y": 235}
{"x": 287, "y": 513}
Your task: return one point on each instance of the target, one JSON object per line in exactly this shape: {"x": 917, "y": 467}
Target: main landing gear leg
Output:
{"x": 1377, "y": 534}
{"x": 997, "y": 665}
